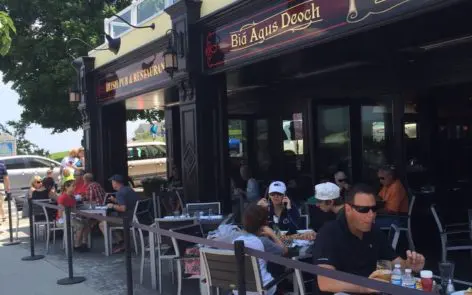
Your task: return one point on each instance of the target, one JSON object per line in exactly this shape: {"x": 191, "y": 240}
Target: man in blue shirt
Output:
{"x": 123, "y": 204}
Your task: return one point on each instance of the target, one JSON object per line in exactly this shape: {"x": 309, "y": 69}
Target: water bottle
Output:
{"x": 450, "y": 287}
{"x": 397, "y": 275}
{"x": 408, "y": 281}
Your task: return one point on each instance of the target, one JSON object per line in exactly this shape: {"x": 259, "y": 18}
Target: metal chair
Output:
{"x": 167, "y": 253}
{"x": 132, "y": 229}
{"x": 220, "y": 270}
{"x": 394, "y": 236}
{"x": 304, "y": 222}
{"x": 448, "y": 244}
{"x": 179, "y": 248}
{"x": 193, "y": 208}
{"x": 406, "y": 219}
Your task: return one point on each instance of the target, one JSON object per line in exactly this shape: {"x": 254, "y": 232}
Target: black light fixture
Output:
{"x": 174, "y": 50}
{"x": 114, "y": 44}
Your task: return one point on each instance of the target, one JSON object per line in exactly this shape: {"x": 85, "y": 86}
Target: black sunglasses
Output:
{"x": 381, "y": 178}
{"x": 342, "y": 180}
{"x": 364, "y": 209}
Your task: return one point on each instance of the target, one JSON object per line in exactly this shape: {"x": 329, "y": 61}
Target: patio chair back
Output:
{"x": 180, "y": 245}
{"x": 304, "y": 222}
{"x": 437, "y": 219}
{"x": 220, "y": 270}
{"x": 215, "y": 207}
{"x": 143, "y": 212}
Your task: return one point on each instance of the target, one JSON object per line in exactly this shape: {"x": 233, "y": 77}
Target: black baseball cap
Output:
{"x": 117, "y": 178}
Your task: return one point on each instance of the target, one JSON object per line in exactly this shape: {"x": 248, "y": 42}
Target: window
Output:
{"x": 38, "y": 163}
{"x": 237, "y": 138}
{"x": 156, "y": 151}
{"x": 17, "y": 163}
{"x": 293, "y": 134}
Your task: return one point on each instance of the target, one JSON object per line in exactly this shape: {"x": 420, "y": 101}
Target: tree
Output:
{"x": 23, "y": 146}
{"x": 6, "y": 28}
{"x": 39, "y": 62}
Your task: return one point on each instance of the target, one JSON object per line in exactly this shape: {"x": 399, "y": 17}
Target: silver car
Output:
{"x": 21, "y": 170}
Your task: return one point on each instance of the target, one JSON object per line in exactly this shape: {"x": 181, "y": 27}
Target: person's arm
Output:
{"x": 274, "y": 240}
{"x": 334, "y": 286}
{"x": 393, "y": 203}
{"x": 6, "y": 183}
{"x": 120, "y": 203}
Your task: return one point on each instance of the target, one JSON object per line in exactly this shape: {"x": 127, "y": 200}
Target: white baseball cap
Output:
{"x": 327, "y": 191}
{"x": 277, "y": 187}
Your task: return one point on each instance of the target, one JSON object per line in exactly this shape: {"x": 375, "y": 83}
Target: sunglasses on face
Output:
{"x": 381, "y": 178}
{"x": 364, "y": 209}
{"x": 342, "y": 180}
{"x": 38, "y": 182}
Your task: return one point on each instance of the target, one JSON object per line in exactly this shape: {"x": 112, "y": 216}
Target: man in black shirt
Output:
{"x": 351, "y": 244}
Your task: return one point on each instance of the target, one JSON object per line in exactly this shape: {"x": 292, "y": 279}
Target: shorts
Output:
{"x": 77, "y": 223}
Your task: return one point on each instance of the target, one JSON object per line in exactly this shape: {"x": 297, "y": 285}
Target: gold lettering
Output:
{"x": 298, "y": 18}
{"x": 234, "y": 40}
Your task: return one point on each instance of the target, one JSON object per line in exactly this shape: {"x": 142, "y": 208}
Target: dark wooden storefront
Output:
{"x": 307, "y": 57}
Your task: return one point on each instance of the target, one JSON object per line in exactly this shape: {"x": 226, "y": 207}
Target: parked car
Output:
{"x": 146, "y": 159}
{"x": 21, "y": 170}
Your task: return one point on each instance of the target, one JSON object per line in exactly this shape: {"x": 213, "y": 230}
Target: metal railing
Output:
{"x": 139, "y": 12}
{"x": 239, "y": 253}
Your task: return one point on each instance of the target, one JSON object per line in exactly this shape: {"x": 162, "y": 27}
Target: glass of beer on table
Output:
{"x": 385, "y": 267}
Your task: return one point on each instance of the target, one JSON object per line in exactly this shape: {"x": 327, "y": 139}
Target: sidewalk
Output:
{"x": 33, "y": 277}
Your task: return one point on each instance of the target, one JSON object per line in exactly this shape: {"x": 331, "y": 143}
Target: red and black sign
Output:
{"x": 288, "y": 23}
{"x": 132, "y": 78}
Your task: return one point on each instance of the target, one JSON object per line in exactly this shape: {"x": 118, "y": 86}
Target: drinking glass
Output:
{"x": 210, "y": 212}
{"x": 185, "y": 212}
{"x": 384, "y": 264}
{"x": 446, "y": 271}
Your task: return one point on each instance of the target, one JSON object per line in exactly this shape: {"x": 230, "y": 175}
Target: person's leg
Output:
{"x": 78, "y": 227}
{"x": 88, "y": 225}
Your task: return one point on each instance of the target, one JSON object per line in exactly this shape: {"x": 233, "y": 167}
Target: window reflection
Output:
{"x": 376, "y": 128}
{"x": 334, "y": 150}
{"x": 237, "y": 138}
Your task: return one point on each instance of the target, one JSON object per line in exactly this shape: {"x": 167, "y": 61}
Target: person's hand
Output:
{"x": 113, "y": 199}
{"x": 267, "y": 232}
{"x": 286, "y": 200}
{"x": 263, "y": 203}
{"x": 415, "y": 260}
{"x": 110, "y": 205}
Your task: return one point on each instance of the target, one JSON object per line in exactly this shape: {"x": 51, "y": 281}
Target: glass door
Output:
{"x": 333, "y": 152}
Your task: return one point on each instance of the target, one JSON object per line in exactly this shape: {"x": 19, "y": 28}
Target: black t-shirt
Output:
{"x": 318, "y": 217}
{"x": 335, "y": 245}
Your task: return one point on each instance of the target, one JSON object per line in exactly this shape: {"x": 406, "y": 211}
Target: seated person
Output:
{"x": 327, "y": 205}
{"x": 259, "y": 236}
{"x": 351, "y": 244}
{"x": 81, "y": 226}
{"x": 252, "y": 187}
{"x": 394, "y": 195}
{"x": 340, "y": 179}
{"x": 80, "y": 186}
{"x": 123, "y": 205}
{"x": 94, "y": 193}
{"x": 283, "y": 215}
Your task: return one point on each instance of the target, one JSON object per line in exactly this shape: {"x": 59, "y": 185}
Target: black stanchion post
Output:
{"x": 32, "y": 257}
{"x": 11, "y": 243}
{"x": 240, "y": 264}
{"x": 68, "y": 230}
{"x": 129, "y": 269}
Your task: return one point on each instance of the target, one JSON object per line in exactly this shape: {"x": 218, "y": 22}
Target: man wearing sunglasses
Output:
{"x": 351, "y": 244}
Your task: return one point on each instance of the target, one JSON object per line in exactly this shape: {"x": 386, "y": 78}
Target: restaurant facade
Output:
{"x": 303, "y": 88}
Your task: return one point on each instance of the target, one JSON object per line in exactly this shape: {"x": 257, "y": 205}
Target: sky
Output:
{"x": 44, "y": 138}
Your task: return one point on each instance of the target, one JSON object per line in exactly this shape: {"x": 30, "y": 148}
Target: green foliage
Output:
{"x": 39, "y": 62}
{"x": 23, "y": 146}
{"x": 6, "y": 28}
{"x": 58, "y": 156}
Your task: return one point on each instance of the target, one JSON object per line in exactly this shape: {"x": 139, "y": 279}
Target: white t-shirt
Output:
{"x": 68, "y": 161}
{"x": 253, "y": 242}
